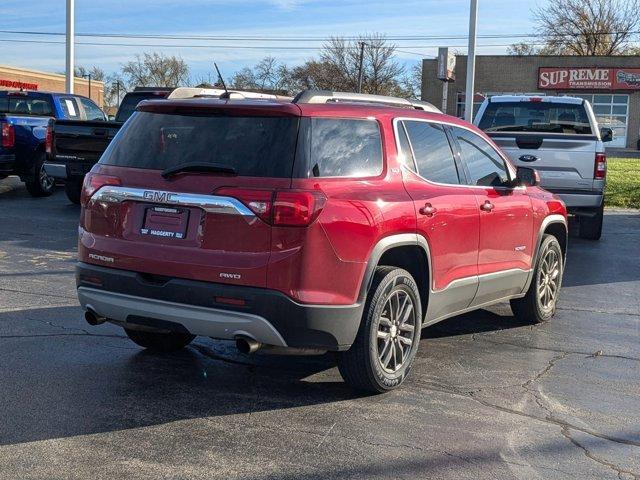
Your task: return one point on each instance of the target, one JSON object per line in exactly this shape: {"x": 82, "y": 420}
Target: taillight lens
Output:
{"x": 48, "y": 140}
{"x": 8, "y": 135}
{"x": 285, "y": 208}
{"x": 94, "y": 182}
{"x": 600, "y": 170}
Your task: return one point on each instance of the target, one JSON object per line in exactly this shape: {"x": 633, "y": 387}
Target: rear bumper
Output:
{"x": 56, "y": 170}
{"x": 182, "y": 305}
{"x": 7, "y": 162}
{"x": 580, "y": 199}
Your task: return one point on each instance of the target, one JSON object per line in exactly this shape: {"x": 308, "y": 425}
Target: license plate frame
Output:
{"x": 174, "y": 226}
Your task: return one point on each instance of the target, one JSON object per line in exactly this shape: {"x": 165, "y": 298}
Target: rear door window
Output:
{"x": 343, "y": 147}
{"x": 485, "y": 166}
{"x": 252, "y": 146}
{"x": 432, "y": 151}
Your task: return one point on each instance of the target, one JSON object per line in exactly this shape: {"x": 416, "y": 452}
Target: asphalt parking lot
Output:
{"x": 488, "y": 398}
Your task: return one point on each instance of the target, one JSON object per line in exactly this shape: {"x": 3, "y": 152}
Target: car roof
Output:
{"x": 539, "y": 98}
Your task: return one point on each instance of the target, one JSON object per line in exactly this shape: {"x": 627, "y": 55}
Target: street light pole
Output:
{"x": 70, "y": 47}
{"x": 361, "y": 67}
{"x": 469, "y": 93}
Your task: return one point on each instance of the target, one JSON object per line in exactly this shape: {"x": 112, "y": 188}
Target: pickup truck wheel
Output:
{"x": 591, "y": 227}
{"x": 539, "y": 304}
{"x": 387, "y": 341}
{"x": 160, "y": 342}
{"x": 73, "y": 190}
{"x": 40, "y": 184}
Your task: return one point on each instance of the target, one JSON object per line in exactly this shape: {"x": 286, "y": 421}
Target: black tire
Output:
{"x": 591, "y": 227}
{"x": 160, "y": 342}
{"x": 40, "y": 184}
{"x": 362, "y": 365}
{"x": 533, "y": 308}
{"x": 73, "y": 190}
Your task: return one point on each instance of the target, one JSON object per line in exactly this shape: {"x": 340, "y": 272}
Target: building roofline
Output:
{"x": 54, "y": 76}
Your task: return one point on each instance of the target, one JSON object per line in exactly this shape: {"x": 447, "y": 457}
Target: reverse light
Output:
{"x": 94, "y": 182}
{"x": 258, "y": 201}
{"x": 8, "y": 135}
{"x": 600, "y": 168}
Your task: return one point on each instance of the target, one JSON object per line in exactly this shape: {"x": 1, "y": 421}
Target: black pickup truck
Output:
{"x": 76, "y": 146}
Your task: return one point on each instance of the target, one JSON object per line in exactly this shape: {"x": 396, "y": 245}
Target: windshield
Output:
{"x": 131, "y": 101}
{"x": 251, "y": 146}
{"x": 21, "y": 104}
{"x": 544, "y": 117}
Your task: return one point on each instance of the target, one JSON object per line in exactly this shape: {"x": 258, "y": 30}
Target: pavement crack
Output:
{"x": 595, "y": 310}
{"x": 52, "y": 295}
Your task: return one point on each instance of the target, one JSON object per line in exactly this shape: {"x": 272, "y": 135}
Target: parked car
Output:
{"x": 336, "y": 222}
{"x": 24, "y": 116}
{"x": 77, "y": 145}
{"x": 559, "y": 136}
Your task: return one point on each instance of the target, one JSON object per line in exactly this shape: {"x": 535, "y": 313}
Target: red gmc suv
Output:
{"x": 333, "y": 222}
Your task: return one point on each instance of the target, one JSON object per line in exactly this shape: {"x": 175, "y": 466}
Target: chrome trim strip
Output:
{"x": 209, "y": 203}
{"x": 209, "y": 322}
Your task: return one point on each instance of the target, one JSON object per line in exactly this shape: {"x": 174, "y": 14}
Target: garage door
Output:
{"x": 611, "y": 111}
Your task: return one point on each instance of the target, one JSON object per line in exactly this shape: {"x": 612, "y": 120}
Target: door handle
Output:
{"x": 428, "y": 210}
{"x": 487, "y": 206}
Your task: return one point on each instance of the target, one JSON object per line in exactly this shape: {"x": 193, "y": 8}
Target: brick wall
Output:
{"x": 51, "y": 82}
{"x": 504, "y": 73}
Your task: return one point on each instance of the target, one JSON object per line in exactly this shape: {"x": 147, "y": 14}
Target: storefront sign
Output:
{"x": 446, "y": 65}
{"x": 17, "y": 84}
{"x": 576, "y": 78}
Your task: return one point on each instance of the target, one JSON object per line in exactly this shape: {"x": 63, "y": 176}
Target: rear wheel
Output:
{"x": 160, "y": 342}
{"x": 40, "y": 184}
{"x": 591, "y": 227}
{"x": 539, "y": 304}
{"x": 387, "y": 341}
{"x": 73, "y": 189}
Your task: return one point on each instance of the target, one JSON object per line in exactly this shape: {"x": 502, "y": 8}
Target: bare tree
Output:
{"x": 585, "y": 27}
{"x": 156, "y": 70}
{"x": 522, "y": 48}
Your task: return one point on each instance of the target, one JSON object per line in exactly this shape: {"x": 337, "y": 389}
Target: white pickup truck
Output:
{"x": 560, "y": 138}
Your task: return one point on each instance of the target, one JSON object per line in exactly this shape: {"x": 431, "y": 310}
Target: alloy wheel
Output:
{"x": 396, "y": 328}
{"x": 549, "y": 279}
{"x": 46, "y": 182}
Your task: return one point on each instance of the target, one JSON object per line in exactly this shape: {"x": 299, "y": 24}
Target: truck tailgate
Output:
{"x": 563, "y": 161}
{"x": 82, "y": 141}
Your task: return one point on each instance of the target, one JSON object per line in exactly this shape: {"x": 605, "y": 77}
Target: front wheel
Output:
{"x": 387, "y": 341}
{"x": 160, "y": 341}
{"x": 40, "y": 184}
{"x": 539, "y": 304}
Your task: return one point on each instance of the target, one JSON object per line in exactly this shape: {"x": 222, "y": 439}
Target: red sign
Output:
{"x": 18, "y": 84}
{"x": 593, "y": 78}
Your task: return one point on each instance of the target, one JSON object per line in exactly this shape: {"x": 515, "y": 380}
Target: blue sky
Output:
{"x": 284, "y": 18}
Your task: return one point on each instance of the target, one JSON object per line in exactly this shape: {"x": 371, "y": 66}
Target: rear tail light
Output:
{"x": 94, "y": 182}
{"x": 8, "y": 135}
{"x": 48, "y": 140}
{"x": 285, "y": 208}
{"x": 600, "y": 169}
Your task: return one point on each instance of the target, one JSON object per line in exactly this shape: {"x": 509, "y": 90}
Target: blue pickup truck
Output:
{"x": 24, "y": 128}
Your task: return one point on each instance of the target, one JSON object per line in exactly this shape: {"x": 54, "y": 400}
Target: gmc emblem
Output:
{"x": 159, "y": 197}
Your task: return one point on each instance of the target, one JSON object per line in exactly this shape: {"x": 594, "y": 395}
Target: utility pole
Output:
{"x": 70, "y": 66}
{"x": 469, "y": 93}
{"x": 360, "y": 67}
{"x": 88, "y": 75}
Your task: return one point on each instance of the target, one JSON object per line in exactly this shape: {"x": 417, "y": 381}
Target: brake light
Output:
{"x": 94, "y": 182}
{"x": 285, "y": 208}
{"x": 600, "y": 170}
{"x": 535, "y": 99}
{"x": 48, "y": 140}
{"x": 8, "y": 135}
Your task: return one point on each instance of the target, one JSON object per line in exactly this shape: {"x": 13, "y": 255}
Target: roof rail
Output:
{"x": 327, "y": 96}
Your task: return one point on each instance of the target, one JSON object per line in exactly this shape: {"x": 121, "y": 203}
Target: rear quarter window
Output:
{"x": 341, "y": 148}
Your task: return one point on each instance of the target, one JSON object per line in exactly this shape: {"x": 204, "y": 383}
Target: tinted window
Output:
{"x": 131, "y": 101}
{"x": 406, "y": 155}
{"x": 69, "y": 108}
{"x": 526, "y": 116}
{"x": 344, "y": 148}
{"x": 253, "y": 146}
{"x": 20, "y": 104}
{"x": 432, "y": 151}
{"x": 92, "y": 111}
{"x": 484, "y": 164}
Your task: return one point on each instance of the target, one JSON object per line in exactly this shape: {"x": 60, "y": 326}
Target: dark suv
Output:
{"x": 335, "y": 222}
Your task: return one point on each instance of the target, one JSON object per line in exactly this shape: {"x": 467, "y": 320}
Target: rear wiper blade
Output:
{"x": 199, "y": 167}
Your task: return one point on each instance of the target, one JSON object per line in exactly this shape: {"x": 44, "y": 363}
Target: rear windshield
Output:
{"x": 252, "y": 146}
{"x": 543, "y": 117}
{"x": 24, "y": 105}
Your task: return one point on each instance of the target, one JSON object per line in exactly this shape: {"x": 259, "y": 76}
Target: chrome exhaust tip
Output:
{"x": 247, "y": 345}
{"x": 93, "y": 318}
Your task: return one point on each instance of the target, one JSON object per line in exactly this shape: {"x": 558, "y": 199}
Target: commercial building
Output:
{"x": 14, "y": 78}
{"x": 611, "y": 84}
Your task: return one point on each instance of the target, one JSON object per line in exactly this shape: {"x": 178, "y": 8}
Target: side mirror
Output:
{"x": 606, "y": 134}
{"x": 528, "y": 177}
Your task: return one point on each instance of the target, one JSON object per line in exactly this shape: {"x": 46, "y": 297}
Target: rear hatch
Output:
{"x": 184, "y": 190}
{"x": 557, "y": 139}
